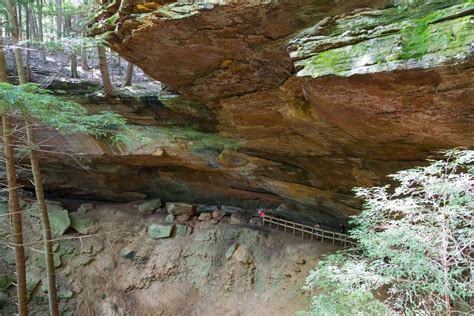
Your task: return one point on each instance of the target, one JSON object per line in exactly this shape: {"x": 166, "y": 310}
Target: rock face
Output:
{"x": 286, "y": 103}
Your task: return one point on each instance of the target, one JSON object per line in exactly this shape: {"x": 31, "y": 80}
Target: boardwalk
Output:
{"x": 305, "y": 230}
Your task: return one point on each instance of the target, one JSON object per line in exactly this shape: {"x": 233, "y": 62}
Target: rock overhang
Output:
{"x": 305, "y": 99}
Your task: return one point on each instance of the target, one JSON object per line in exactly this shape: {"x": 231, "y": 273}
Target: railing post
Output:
{"x": 322, "y": 235}
{"x": 286, "y": 224}
{"x": 312, "y": 233}
{"x": 293, "y": 228}
{"x": 345, "y": 241}
{"x": 333, "y": 238}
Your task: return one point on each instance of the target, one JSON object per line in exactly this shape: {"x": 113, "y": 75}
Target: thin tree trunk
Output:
{"x": 85, "y": 65}
{"x": 15, "y": 35}
{"x": 43, "y": 209}
{"x": 40, "y": 30}
{"x": 3, "y": 62}
{"x": 28, "y": 38}
{"x": 104, "y": 71}
{"x": 74, "y": 73}
{"x": 119, "y": 64}
{"x": 15, "y": 210}
{"x": 129, "y": 75}
{"x": 59, "y": 18}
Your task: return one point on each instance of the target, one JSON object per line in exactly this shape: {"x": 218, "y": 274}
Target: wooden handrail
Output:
{"x": 305, "y": 229}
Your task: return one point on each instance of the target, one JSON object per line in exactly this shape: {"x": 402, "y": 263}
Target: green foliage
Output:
{"x": 68, "y": 117}
{"x": 414, "y": 246}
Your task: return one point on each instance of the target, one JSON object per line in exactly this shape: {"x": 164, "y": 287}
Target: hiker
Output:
{"x": 342, "y": 229}
{"x": 317, "y": 225}
{"x": 261, "y": 213}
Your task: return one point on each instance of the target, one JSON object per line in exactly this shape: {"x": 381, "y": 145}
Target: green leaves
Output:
{"x": 414, "y": 245}
{"x": 65, "y": 116}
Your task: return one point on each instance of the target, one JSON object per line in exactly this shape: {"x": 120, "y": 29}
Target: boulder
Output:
{"x": 149, "y": 206}
{"x": 79, "y": 222}
{"x": 85, "y": 207}
{"x": 169, "y": 219}
{"x": 218, "y": 215}
{"x": 204, "y": 208}
{"x": 183, "y": 218}
{"x": 182, "y": 230}
{"x": 59, "y": 220}
{"x": 157, "y": 231}
{"x": 179, "y": 208}
{"x": 227, "y": 209}
{"x": 205, "y": 216}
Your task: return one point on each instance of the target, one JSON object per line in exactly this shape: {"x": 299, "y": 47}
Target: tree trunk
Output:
{"x": 3, "y": 62}
{"x": 119, "y": 64}
{"x": 74, "y": 73}
{"x": 129, "y": 75}
{"x": 15, "y": 210}
{"x": 15, "y": 34}
{"x": 46, "y": 226}
{"x": 28, "y": 38}
{"x": 104, "y": 71}
{"x": 59, "y": 18}
{"x": 41, "y": 31}
{"x": 85, "y": 65}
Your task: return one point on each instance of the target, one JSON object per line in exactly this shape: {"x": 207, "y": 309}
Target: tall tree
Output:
{"x": 3, "y": 62}
{"x": 128, "y": 75}
{"x": 14, "y": 204}
{"x": 104, "y": 71}
{"x": 14, "y": 29}
{"x": 45, "y": 223}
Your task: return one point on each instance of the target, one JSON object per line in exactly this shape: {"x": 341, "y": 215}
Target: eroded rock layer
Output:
{"x": 294, "y": 102}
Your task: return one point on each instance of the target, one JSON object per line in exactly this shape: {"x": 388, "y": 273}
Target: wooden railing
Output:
{"x": 305, "y": 230}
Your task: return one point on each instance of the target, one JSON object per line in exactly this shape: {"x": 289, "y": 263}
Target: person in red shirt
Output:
{"x": 261, "y": 214}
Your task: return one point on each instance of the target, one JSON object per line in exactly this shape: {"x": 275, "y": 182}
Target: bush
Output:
{"x": 414, "y": 246}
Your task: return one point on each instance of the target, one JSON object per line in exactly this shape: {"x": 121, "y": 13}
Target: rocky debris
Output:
{"x": 205, "y": 235}
{"x": 84, "y": 260}
{"x": 85, "y": 207}
{"x": 149, "y": 206}
{"x": 240, "y": 217}
{"x": 176, "y": 209}
{"x": 230, "y": 252}
{"x": 3, "y": 300}
{"x": 157, "y": 231}
{"x": 32, "y": 281}
{"x": 41, "y": 261}
{"x": 205, "y": 216}
{"x": 242, "y": 255}
{"x": 65, "y": 294}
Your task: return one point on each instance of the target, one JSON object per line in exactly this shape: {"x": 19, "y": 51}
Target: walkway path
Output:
{"x": 304, "y": 230}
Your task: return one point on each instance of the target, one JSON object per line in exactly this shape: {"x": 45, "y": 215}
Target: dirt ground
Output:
{"x": 211, "y": 269}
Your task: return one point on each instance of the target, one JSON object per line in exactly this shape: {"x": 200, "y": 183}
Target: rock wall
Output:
{"x": 286, "y": 103}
